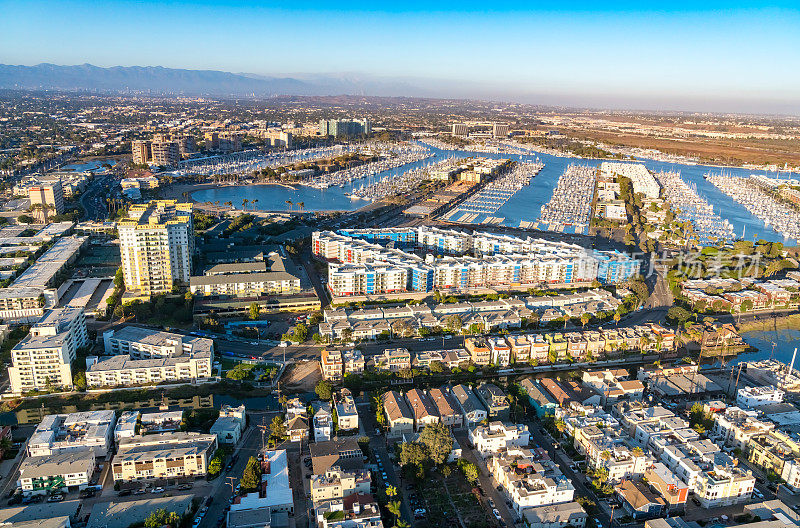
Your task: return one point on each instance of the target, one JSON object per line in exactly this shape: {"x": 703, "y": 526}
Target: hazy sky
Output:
{"x": 576, "y": 51}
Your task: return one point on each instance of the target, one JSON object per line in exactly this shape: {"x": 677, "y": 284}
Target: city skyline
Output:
{"x": 741, "y": 59}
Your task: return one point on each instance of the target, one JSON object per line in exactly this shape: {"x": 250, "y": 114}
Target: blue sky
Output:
{"x": 570, "y": 52}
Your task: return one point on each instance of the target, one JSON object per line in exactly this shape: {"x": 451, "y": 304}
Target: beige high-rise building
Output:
{"x": 500, "y": 130}
{"x": 156, "y": 243}
{"x": 44, "y": 358}
{"x": 49, "y": 194}
{"x": 141, "y": 151}
{"x": 166, "y": 153}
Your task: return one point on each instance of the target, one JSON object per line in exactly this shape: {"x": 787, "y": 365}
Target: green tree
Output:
{"x": 251, "y": 476}
{"x": 470, "y": 470}
{"x": 215, "y": 466}
{"x": 277, "y": 429}
{"x": 438, "y": 441}
{"x": 162, "y": 517}
{"x": 79, "y": 380}
{"x": 324, "y": 390}
{"x": 254, "y": 310}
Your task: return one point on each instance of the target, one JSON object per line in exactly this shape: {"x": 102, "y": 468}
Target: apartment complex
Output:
{"x": 163, "y": 150}
{"x": 344, "y": 127}
{"x": 81, "y": 431}
{"x": 360, "y": 265}
{"x": 156, "y": 243}
{"x": 43, "y": 359}
{"x": 45, "y": 474}
{"x": 246, "y": 279}
{"x": 138, "y": 356}
{"x": 165, "y": 455}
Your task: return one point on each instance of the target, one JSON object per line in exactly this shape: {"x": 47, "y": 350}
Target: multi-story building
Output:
{"x": 127, "y": 425}
{"x": 344, "y": 127}
{"x": 337, "y": 470}
{"x": 46, "y": 474}
{"x": 529, "y": 483}
{"x": 165, "y": 153}
{"x": 459, "y": 129}
{"x": 724, "y": 486}
{"x": 247, "y": 279}
{"x": 489, "y": 440}
{"x": 331, "y": 364}
{"x": 140, "y": 356}
{"x": 274, "y": 499}
{"x": 346, "y": 413}
{"x": 354, "y": 361}
{"x": 753, "y": 397}
{"x": 614, "y": 267}
{"x": 47, "y": 199}
{"x": 165, "y": 455}
{"x": 556, "y": 516}
{"x": 43, "y": 359}
{"x": 156, "y": 243}
{"x": 322, "y": 421}
{"x": 479, "y": 350}
{"x": 500, "y": 130}
{"x": 773, "y": 451}
{"x": 80, "y": 431}
{"x": 501, "y": 352}
{"x": 141, "y": 151}
{"x": 735, "y": 427}
{"x": 393, "y": 360}
{"x": 494, "y": 399}
{"x": 363, "y": 266}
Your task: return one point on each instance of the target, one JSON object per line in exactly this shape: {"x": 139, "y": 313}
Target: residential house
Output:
{"x": 399, "y": 417}
{"x": 469, "y": 404}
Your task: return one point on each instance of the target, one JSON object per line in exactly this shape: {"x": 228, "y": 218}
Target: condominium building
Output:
{"x": 156, "y": 243}
{"x": 754, "y": 397}
{"x": 141, "y": 151}
{"x": 344, "y": 127}
{"x": 491, "y": 439}
{"x": 393, "y": 360}
{"x": 166, "y": 455}
{"x": 47, "y": 199}
{"x": 529, "y": 483}
{"x": 81, "y": 431}
{"x": 165, "y": 153}
{"x": 248, "y": 279}
{"x": 500, "y": 130}
{"x": 45, "y": 474}
{"x": 332, "y": 364}
{"x": 724, "y": 486}
{"x": 338, "y": 470}
{"x": 360, "y": 265}
{"x": 346, "y": 413}
{"x": 459, "y": 129}
{"x": 43, "y": 359}
{"x": 142, "y": 356}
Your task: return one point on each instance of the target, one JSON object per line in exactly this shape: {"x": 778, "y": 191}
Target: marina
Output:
{"x": 495, "y": 194}
{"x": 688, "y": 205}
{"x": 747, "y": 192}
{"x": 391, "y": 157}
{"x": 570, "y": 207}
{"x": 402, "y": 182}
{"x": 524, "y": 206}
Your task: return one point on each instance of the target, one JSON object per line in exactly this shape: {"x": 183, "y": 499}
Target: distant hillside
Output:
{"x": 152, "y": 79}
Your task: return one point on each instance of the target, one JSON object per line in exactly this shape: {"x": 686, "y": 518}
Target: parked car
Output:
{"x": 123, "y": 493}
{"x": 496, "y": 514}
{"x": 159, "y": 489}
{"x": 55, "y": 498}
{"x": 491, "y": 503}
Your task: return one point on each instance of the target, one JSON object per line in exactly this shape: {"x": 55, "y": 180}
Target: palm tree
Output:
{"x": 254, "y": 202}
{"x": 289, "y": 203}
{"x": 244, "y": 203}
{"x": 301, "y": 205}
{"x": 617, "y": 317}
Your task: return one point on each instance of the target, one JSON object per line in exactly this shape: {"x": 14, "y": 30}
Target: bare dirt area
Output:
{"x": 726, "y": 151}
{"x": 302, "y": 376}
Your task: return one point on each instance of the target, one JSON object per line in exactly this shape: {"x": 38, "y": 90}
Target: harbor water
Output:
{"x": 524, "y": 206}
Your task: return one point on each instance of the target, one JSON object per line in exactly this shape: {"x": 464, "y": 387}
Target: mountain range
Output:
{"x": 157, "y": 80}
